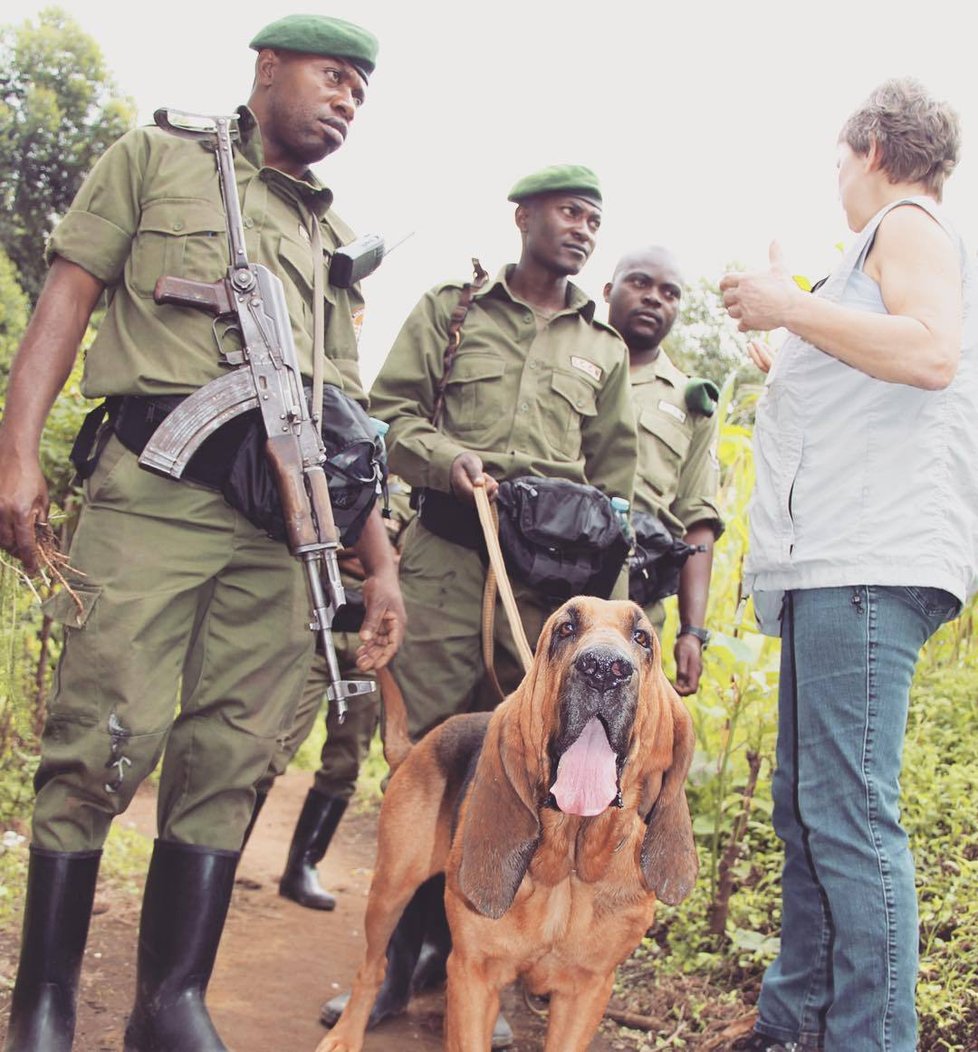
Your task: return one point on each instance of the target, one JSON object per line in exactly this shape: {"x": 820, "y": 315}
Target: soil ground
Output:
{"x": 278, "y": 961}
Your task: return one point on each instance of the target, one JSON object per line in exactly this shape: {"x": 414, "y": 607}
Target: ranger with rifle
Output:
{"x": 175, "y": 586}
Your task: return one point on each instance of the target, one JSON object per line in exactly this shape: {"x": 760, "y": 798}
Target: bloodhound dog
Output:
{"x": 558, "y": 820}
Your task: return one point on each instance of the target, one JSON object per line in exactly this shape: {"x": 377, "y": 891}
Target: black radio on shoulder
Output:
{"x": 355, "y": 261}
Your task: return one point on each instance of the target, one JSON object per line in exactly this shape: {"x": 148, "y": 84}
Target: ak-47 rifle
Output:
{"x": 250, "y": 301}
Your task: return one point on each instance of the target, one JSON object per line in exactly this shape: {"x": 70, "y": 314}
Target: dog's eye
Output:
{"x": 565, "y": 629}
{"x": 643, "y": 639}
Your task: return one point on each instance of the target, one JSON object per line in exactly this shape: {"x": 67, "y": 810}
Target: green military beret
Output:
{"x": 702, "y": 396}
{"x": 319, "y": 35}
{"x": 573, "y": 178}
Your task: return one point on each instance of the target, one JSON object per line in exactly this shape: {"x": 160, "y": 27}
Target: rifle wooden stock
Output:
{"x": 214, "y": 297}
{"x": 284, "y": 460}
{"x": 322, "y": 506}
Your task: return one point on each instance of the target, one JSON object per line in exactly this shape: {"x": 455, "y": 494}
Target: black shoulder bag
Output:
{"x": 356, "y": 470}
{"x": 656, "y": 561}
{"x": 560, "y": 537}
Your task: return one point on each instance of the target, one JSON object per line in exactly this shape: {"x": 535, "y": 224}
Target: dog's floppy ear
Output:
{"x": 501, "y": 829}
{"x": 669, "y": 860}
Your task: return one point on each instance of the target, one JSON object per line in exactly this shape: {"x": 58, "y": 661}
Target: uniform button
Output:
{"x": 524, "y": 407}
{"x": 534, "y": 365}
{"x": 249, "y": 222}
{"x": 580, "y": 402}
{"x": 178, "y": 224}
{"x": 528, "y": 316}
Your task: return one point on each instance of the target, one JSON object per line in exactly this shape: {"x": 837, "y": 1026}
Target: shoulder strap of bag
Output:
{"x": 469, "y": 289}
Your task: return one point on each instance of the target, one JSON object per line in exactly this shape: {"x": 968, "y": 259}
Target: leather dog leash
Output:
{"x": 497, "y": 577}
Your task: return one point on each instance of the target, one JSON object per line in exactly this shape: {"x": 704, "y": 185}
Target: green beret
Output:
{"x": 573, "y": 178}
{"x": 319, "y": 35}
{"x": 702, "y": 396}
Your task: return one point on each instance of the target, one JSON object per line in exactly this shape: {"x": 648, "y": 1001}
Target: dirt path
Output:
{"x": 278, "y": 962}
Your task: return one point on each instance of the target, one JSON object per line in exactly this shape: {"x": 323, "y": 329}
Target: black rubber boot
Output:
{"x": 429, "y": 972}
{"x": 260, "y": 798}
{"x": 188, "y": 889}
{"x": 314, "y": 830}
{"x": 402, "y": 959}
{"x": 58, "y": 907}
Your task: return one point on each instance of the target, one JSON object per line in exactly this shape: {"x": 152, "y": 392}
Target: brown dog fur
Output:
{"x": 557, "y": 899}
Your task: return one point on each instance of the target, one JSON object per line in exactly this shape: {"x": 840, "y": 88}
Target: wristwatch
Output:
{"x": 701, "y": 634}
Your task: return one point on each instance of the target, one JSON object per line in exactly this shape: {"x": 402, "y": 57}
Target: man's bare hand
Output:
{"x": 466, "y": 472}
{"x": 38, "y": 372}
{"x": 689, "y": 664}
{"x": 23, "y": 503}
{"x": 384, "y": 621}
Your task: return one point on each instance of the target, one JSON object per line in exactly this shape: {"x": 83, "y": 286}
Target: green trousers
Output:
{"x": 190, "y": 642}
{"x": 656, "y": 613}
{"x": 439, "y": 667}
{"x": 347, "y": 743}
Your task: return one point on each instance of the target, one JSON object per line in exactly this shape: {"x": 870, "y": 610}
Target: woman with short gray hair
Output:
{"x": 864, "y": 530}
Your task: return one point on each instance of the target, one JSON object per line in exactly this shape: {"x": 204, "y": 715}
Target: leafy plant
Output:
{"x": 59, "y": 112}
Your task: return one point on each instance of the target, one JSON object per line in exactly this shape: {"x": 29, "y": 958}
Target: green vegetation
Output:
{"x": 59, "y": 112}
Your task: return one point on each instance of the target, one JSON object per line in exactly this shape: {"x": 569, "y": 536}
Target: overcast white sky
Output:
{"x": 711, "y": 125}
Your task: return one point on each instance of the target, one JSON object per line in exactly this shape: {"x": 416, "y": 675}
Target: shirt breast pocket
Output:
{"x": 663, "y": 445}
{"x": 178, "y": 238}
{"x": 471, "y": 394}
{"x": 573, "y": 402}
{"x": 296, "y": 265}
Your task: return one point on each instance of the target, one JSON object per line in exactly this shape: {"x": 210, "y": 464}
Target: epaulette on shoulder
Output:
{"x": 701, "y": 396}
{"x": 344, "y": 234}
{"x": 456, "y": 285}
{"x": 480, "y": 279}
{"x": 605, "y": 327}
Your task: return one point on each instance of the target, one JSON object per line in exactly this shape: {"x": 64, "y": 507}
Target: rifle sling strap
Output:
{"x": 318, "y": 323}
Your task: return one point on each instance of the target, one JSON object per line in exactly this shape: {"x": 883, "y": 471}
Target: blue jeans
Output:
{"x": 844, "y": 979}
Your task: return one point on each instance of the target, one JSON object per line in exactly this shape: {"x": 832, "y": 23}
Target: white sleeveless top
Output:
{"x": 863, "y": 481}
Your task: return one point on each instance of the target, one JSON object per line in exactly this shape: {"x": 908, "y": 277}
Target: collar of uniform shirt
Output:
{"x": 577, "y": 300}
{"x": 661, "y": 368}
{"x": 308, "y": 191}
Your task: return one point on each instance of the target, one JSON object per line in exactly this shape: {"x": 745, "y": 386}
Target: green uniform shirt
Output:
{"x": 678, "y": 472}
{"x": 151, "y": 207}
{"x": 529, "y": 397}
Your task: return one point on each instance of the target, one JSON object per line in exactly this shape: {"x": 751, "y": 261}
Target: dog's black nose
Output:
{"x": 604, "y": 668}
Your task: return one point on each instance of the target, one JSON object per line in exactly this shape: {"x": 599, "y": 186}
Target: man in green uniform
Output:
{"x": 539, "y": 386}
{"x": 678, "y": 471}
{"x": 173, "y": 585}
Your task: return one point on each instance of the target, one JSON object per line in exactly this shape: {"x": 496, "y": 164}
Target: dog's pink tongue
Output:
{"x": 586, "y": 775}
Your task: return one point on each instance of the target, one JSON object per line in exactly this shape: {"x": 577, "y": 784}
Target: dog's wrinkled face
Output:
{"x": 604, "y": 651}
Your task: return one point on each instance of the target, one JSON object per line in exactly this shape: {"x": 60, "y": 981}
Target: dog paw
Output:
{"x": 336, "y": 1043}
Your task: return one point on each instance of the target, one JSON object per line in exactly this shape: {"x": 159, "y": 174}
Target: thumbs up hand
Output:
{"x": 760, "y": 301}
